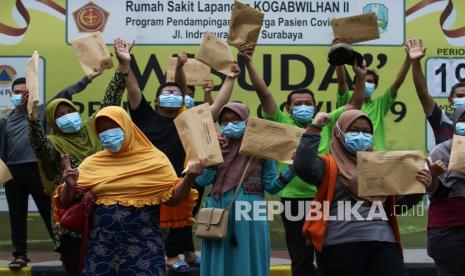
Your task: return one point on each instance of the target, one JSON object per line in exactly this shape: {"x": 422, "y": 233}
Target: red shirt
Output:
{"x": 447, "y": 209}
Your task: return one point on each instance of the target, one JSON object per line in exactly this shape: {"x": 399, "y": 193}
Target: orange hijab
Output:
{"x": 139, "y": 174}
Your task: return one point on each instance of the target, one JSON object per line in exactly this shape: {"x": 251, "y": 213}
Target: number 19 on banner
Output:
{"x": 443, "y": 73}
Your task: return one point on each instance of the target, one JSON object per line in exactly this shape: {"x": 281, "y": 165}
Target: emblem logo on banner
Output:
{"x": 90, "y": 18}
{"x": 7, "y": 74}
{"x": 382, "y": 13}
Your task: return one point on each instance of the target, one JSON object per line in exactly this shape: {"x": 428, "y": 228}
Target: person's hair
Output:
{"x": 192, "y": 88}
{"x": 165, "y": 85}
{"x": 301, "y": 91}
{"x": 370, "y": 72}
{"x": 457, "y": 85}
{"x": 18, "y": 81}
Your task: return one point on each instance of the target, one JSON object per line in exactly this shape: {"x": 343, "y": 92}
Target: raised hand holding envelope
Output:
{"x": 92, "y": 52}
{"x": 215, "y": 53}
{"x": 197, "y": 132}
{"x": 357, "y": 28}
{"x": 270, "y": 140}
{"x": 196, "y": 71}
{"x": 32, "y": 82}
{"x": 245, "y": 25}
{"x": 389, "y": 173}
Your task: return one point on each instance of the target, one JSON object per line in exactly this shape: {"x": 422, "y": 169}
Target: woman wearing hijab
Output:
{"x": 446, "y": 214}
{"x": 246, "y": 249}
{"x": 76, "y": 138}
{"x": 350, "y": 246}
{"x": 130, "y": 179}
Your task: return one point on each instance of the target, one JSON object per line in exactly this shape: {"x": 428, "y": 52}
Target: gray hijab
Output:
{"x": 450, "y": 179}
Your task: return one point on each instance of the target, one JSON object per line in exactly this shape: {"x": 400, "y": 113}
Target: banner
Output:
{"x": 286, "y": 62}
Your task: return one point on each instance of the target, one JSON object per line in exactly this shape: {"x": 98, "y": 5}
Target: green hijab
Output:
{"x": 78, "y": 145}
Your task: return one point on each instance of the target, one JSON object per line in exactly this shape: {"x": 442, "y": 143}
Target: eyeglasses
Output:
{"x": 171, "y": 92}
{"x": 224, "y": 122}
{"x": 19, "y": 91}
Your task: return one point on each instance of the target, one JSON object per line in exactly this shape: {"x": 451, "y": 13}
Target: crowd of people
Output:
{"x": 146, "y": 192}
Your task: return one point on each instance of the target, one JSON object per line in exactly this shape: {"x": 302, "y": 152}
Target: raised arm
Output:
{"x": 358, "y": 96}
{"x": 340, "y": 72}
{"x": 207, "y": 91}
{"x": 182, "y": 189}
{"x": 400, "y": 78}
{"x": 307, "y": 164}
{"x": 416, "y": 53}
{"x": 225, "y": 92}
{"x": 115, "y": 89}
{"x": 179, "y": 74}
{"x": 77, "y": 87}
{"x": 264, "y": 94}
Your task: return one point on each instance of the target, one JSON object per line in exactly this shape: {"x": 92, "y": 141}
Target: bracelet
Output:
{"x": 314, "y": 126}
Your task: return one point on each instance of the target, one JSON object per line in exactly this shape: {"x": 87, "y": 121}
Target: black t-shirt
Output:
{"x": 161, "y": 132}
{"x": 441, "y": 123}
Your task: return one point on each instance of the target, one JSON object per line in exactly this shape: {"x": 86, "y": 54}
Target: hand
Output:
{"x": 123, "y": 51}
{"x": 415, "y": 50}
{"x": 336, "y": 40}
{"x": 246, "y": 52}
{"x": 321, "y": 119}
{"x": 182, "y": 59}
{"x": 70, "y": 175}
{"x": 194, "y": 168}
{"x": 235, "y": 71}
{"x": 437, "y": 168}
{"x": 208, "y": 86}
{"x": 424, "y": 177}
{"x": 223, "y": 141}
{"x": 360, "y": 71}
{"x": 25, "y": 99}
{"x": 97, "y": 72}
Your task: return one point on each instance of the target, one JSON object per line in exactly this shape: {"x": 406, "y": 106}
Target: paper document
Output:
{"x": 270, "y": 140}
{"x": 245, "y": 25}
{"x": 196, "y": 71}
{"x": 216, "y": 53}
{"x": 5, "y": 174}
{"x": 389, "y": 173}
{"x": 32, "y": 82}
{"x": 92, "y": 52}
{"x": 357, "y": 28}
{"x": 198, "y": 135}
{"x": 457, "y": 154}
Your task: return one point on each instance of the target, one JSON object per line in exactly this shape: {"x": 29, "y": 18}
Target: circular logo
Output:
{"x": 7, "y": 74}
{"x": 90, "y": 19}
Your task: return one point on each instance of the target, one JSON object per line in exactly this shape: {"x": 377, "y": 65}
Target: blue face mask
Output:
{"x": 112, "y": 139}
{"x": 303, "y": 113}
{"x": 233, "y": 131}
{"x": 189, "y": 102}
{"x": 369, "y": 89}
{"x": 460, "y": 129}
{"x": 16, "y": 100}
{"x": 170, "y": 100}
{"x": 458, "y": 102}
{"x": 357, "y": 141}
{"x": 69, "y": 123}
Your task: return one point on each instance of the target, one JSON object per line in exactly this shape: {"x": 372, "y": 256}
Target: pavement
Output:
{"x": 278, "y": 257}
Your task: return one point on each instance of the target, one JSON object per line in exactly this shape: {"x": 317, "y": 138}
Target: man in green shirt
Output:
{"x": 376, "y": 109}
{"x": 300, "y": 108}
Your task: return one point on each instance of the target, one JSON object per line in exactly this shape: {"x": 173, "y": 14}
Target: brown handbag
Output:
{"x": 212, "y": 223}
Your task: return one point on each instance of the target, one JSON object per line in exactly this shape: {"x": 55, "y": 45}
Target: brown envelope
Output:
{"x": 198, "y": 135}
{"x": 196, "y": 71}
{"x": 270, "y": 140}
{"x": 357, "y": 28}
{"x": 457, "y": 154}
{"x": 5, "y": 174}
{"x": 216, "y": 53}
{"x": 92, "y": 52}
{"x": 32, "y": 82}
{"x": 389, "y": 173}
{"x": 245, "y": 25}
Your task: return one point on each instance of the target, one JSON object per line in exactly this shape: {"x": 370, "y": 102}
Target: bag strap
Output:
{"x": 240, "y": 183}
